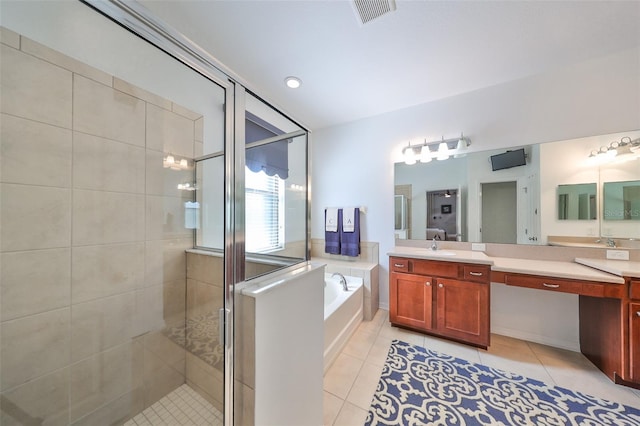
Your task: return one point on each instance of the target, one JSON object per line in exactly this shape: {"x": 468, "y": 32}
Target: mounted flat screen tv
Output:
{"x": 508, "y": 159}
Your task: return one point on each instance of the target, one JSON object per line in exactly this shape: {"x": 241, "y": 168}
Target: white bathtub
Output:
{"x": 342, "y": 314}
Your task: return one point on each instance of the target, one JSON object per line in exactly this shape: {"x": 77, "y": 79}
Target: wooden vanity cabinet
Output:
{"x": 634, "y": 331}
{"x": 447, "y": 299}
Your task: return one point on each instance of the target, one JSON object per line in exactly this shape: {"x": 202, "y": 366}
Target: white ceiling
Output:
{"x": 423, "y": 51}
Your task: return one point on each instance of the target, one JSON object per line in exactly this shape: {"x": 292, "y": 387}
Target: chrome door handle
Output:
{"x": 551, "y": 285}
{"x": 477, "y": 274}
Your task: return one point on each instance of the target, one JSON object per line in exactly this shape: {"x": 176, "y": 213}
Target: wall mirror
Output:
{"x": 528, "y": 197}
{"x": 622, "y": 200}
{"x": 577, "y": 202}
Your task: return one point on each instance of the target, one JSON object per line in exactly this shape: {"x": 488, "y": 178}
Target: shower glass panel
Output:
{"x": 99, "y": 134}
{"x": 275, "y": 190}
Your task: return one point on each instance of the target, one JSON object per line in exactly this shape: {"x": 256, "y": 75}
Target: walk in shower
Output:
{"x": 117, "y": 160}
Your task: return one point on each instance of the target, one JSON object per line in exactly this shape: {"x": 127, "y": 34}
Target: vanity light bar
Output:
{"x": 615, "y": 148}
{"x": 444, "y": 149}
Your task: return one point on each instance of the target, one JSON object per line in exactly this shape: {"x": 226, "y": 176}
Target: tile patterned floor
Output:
{"x": 350, "y": 382}
{"x": 183, "y": 406}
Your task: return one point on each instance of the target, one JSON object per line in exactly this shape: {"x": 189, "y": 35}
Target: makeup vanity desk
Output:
{"x": 447, "y": 293}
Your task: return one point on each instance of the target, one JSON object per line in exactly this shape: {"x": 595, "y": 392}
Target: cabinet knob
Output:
{"x": 551, "y": 285}
{"x": 638, "y": 313}
{"x": 398, "y": 265}
{"x": 440, "y": 285}
{"x": 428, "y": 283}
{"x": 477, "y": 274}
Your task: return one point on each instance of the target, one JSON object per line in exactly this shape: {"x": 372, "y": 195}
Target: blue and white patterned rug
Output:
{"x": 423, "y": 387}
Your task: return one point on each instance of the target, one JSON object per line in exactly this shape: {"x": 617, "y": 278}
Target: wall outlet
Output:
{"x": 478, "y": 247}
{"x": 618, "y": 254}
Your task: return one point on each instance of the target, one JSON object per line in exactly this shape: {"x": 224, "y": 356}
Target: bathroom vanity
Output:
{"x": 447, "y": 299}
{"x": 447, "y": 294}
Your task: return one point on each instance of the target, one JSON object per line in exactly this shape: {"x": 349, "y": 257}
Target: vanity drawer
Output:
{"x": 544, "y": 283}
{"x": 634, "y": 290}
{"x": 476, "y": 273}
{"x": 398, "y": 264}
{"x": 435, "y": 268}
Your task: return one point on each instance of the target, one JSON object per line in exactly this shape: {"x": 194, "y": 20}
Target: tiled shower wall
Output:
{"x": 92, "y": 261}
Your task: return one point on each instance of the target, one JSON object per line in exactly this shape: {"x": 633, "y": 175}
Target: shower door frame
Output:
{"x": 139, "y": 21}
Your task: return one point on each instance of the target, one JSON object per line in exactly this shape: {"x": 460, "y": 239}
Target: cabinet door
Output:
{"x": 410, "y": 300}
{"x": 634, "y": 340}
{"x": 463, "y": 310}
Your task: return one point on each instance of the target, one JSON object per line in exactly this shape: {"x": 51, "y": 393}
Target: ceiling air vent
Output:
{"x": 368, "y": 10}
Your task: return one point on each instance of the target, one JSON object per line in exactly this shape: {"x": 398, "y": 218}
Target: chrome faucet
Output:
{"x": 343, "y": 280}
{"x": 434, "y": 244}
{"x": 611, "y": 242}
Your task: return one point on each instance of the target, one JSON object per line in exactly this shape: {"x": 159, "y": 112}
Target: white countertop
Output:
{"x": 550, "y": 268}
{"x": 621, "y": 268}
{"x": 559, "y": 269}
{"x": 466, "y": 256}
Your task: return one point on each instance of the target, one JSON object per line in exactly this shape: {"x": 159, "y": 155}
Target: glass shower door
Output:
{"x": 103, "y": 316}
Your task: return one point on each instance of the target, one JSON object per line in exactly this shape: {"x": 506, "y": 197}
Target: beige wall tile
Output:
{"x": 44, "y": 400}
{"x": 35, "y": 89}
{"x": 139, "y": 93}
{"x": 115, "y": 412}
{"x": 205, "y": 268}
{"x": 165, "y": 218}
{"x": 34, "y": 281}
{"x": 169, "y": 132}
{"x": 203, "y": 298}
{"x": 107, "y": 217}
{"x": 149, "y": 306}
{"x": 206, "y": 378}
{"x": 102, "y": 111}
{"x": 34, "y": 153}
{"x": 64, "y": 61}
{"x": 33, "y": 346}
{"x": 174, "y": 302}
{"x": 106, "y": 270}
{"x": 101, "y": 324}
{"x": 9, "y": 38}
{"x": 106, "y": 165}
{"x": 34, "y": 217}
{"x": 164, "y": 181}
{"x": 102, "y": 378}
{"x": 159, "y": 379}
{"x": 185, "y": 112}
{"x": 165, "y": 260}
{"x": 165, "y": 350}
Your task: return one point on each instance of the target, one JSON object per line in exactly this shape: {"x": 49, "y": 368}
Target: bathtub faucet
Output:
{"x": 343, "y": 280}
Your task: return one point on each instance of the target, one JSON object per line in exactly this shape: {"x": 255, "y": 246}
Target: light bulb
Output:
{"x": 183, "y": 163}
{"x": 409, "y": 155}
{"x": 425, "y": 154}
{"x": 443, "y": 151}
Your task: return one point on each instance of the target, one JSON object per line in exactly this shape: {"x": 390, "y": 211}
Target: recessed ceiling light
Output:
{"x": 293, "y": 82}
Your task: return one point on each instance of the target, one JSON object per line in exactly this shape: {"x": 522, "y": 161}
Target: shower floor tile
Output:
{"x": 183, "y": 406}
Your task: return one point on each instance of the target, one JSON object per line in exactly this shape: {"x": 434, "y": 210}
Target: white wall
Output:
{"x": 353, "y": 162}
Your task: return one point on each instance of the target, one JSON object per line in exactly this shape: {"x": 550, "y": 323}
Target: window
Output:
{"x": 264, "y": 197}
